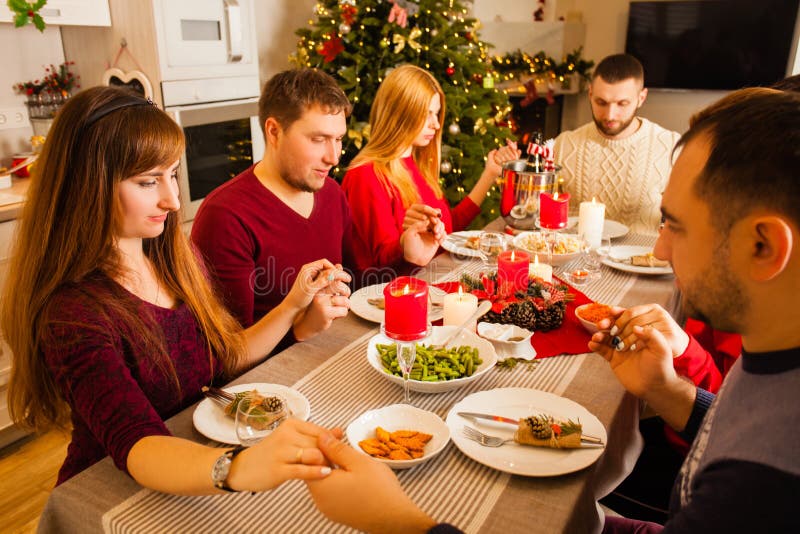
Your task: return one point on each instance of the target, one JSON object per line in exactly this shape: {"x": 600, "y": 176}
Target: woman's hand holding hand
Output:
{"x": 290, "y": 452}
{"x": 314, "y": 277}
{"x": 496, "y": 158}
{"x": 419, "y": 244}
{"x": 331, "y": 302}
{"x": 421, "y": 212}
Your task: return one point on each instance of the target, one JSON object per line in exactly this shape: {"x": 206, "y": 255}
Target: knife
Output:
{"x": 515, "y": 422}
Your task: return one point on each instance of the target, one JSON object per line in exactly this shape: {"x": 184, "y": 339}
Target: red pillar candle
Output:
{"x": 406, "y": 306}
{"x": 553, "y": 209}
{"x": 512, "y": 266}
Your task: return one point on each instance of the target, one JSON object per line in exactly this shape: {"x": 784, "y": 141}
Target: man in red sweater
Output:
{"x": 258, "y": 229}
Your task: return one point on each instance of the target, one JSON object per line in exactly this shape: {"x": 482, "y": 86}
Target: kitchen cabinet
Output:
{"x": 68, "y": 13}
{"x": 7, "y": 432}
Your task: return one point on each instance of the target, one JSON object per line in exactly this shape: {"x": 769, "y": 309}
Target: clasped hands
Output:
{"x": 321, "y": 295}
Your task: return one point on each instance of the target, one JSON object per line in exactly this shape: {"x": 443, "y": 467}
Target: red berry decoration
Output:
{"x": 450, "y": 71}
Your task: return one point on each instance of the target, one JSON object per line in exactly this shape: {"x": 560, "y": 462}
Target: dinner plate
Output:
{"x": 517, "y": 403}
{"x": 620, "y": 252}
{"x": 455, "y": 243}
{"x": 365, "y": 310}
{"x": 611, "y": 229}
{"x": 211, "y": 421}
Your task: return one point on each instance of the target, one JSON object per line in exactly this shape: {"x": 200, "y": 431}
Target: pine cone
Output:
{"x": 540, "y": 426}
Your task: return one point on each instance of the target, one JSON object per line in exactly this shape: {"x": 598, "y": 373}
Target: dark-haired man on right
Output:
{"x": 619, "y": 158}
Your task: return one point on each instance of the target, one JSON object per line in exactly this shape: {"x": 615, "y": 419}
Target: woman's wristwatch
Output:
{"x": 221, "y": 468}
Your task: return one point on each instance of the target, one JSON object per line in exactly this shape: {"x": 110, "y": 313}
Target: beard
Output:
{"x": 294, "y": 179}
{"x": 611, "y": 132}
{"x": 715, "y": 296}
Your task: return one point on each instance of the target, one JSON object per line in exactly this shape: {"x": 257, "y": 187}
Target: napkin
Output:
{"x": 569, "y": 338}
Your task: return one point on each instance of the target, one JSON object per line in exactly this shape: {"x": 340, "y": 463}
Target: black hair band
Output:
{"x": 116, "y": 104}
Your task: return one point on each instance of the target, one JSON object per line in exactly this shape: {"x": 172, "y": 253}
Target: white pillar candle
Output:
{"x": 590, "y": 222}
{"x": 458, "y": 307}
{"x": 540, "y": 270}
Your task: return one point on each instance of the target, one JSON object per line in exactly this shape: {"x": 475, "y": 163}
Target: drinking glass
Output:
{"x": 255, "y": 421}
{"x": 594, "y": 256}
{"x": 491, "y": 244}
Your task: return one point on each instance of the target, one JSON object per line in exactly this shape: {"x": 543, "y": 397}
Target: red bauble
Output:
{"x": 478, "y": 78}
{"x": 450, "y": 71}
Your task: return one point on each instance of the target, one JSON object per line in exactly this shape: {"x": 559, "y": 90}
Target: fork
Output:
{"x": 221, "y": 397}
{"x": 484, "y": 439}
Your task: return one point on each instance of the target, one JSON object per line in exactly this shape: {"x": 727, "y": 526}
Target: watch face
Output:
{"x": 219, "y": 473}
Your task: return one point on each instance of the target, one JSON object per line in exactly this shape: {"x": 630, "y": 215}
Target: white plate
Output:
{"x": 438, "y": 334}
{"x": 627, "y": 252}
{"x": 400, "y": 417}
{"x": 611, "y": 229}
{"x": 211, "y": 421}
{"x": 521, "y": 241}
{"x": 455, "y": 243}
{"x": 517, "y": 403}
{"x": 365, "y": 310}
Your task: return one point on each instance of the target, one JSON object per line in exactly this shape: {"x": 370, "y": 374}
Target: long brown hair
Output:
{"x": 66, "y": 236}
{"x": 398, "y": 114}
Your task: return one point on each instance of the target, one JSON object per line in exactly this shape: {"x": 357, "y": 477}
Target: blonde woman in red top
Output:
{"x": 400, "y": 215}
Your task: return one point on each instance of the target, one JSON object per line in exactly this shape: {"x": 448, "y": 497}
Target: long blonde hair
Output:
{"x": 66, "y": 236}
{"x": 398, "y": 114}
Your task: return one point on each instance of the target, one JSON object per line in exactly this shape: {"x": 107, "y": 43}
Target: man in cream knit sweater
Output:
{"x": 620, "y": 159}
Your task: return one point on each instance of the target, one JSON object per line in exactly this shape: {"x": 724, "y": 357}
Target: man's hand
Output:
{"x": 364, "y": 493}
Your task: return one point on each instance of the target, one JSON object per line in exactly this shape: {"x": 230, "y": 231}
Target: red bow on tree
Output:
{"x": 331, "y": 48}
{"x": 349, "y": 14}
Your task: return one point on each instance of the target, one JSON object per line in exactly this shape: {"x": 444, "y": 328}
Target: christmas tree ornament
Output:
{"x": 384, "y": 43}
{"x": 451, "y": 70}
{"x": 347, "y": 2}
{"x": 400, "y": 41}
{"x": 454, "y": 129}
{"x": 434, "y": 32}
{"x": 344, "y": 28}
{"x": 446, "y": 167}
{"x": 477, "y": 77}
{"x": 488, "y": 82}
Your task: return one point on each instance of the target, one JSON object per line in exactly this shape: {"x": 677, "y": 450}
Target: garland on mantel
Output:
{"x": 26, "y": 12}
{"x": 518, "y": 63}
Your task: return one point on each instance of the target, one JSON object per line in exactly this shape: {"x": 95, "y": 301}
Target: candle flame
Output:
{"x": 555, "y": 195}
{"x": 406, "y": 290}
{"x": 460, "y": 292}
{"x": 512, "y": 255}
{"x": 536, "y": 259}
{"x": 593, "y": 200}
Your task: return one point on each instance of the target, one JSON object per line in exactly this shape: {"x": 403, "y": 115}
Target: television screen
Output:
{"x": 712, "y": 44}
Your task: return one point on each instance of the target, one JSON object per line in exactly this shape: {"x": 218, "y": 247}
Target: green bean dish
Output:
{"x": 432, "y": 365}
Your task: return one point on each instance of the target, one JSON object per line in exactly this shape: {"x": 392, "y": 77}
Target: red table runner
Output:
{"x": 569, "y": 338}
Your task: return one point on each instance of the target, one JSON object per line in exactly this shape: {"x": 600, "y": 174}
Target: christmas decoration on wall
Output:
{"x": 439, "y": 36}
{"x": 27, "y": 12}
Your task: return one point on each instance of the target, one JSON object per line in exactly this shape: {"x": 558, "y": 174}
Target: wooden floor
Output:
{"x": 28, "y": 470}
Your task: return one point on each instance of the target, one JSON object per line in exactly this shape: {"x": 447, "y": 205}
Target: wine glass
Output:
{"x": 257, "y": 417}
{"x": 406, "y": 354}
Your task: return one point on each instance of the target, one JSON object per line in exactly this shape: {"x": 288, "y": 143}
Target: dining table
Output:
{"x": 332, "y": 372}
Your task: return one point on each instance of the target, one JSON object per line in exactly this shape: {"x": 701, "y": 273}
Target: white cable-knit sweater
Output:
{"x": 627, "y": 175}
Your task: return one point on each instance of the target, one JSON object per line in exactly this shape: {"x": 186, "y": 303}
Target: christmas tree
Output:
{"x": 359, "y": 41}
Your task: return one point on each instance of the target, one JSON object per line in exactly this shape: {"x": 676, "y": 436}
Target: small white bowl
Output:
{"x": 400, "y": 417}
{"x": 438, "y": 334}
{"x": 588, "y": 325}
{"x": 508, "y": 339}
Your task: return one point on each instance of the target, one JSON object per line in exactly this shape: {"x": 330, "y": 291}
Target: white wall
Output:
{"x": 26, "y": 52}
{"x": 276, "y": 22}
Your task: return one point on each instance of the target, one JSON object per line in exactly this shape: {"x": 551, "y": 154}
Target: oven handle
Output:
{"x": 233, "y": 16}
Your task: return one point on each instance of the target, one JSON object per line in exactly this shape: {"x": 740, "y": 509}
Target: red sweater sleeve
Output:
{"x": 376, "y": 235}
{"x": 228, "y": 251}
{"x": 464, "y": 213}
{"x": 698, "y": 365}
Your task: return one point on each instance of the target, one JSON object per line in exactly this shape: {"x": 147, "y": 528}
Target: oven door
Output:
{"x": 222, "y": 140}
